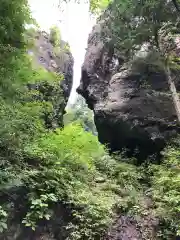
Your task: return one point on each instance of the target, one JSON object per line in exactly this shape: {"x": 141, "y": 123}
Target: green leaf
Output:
{"x": 3, "y": 225}
{"x": 47, "y": 216}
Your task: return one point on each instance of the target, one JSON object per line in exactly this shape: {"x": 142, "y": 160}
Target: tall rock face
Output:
{"x": 57, "y": 60}
{"x": 132, "y": 105}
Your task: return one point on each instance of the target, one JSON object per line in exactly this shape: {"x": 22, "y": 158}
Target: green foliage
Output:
{"x": 67, "y": 48}
{"x": 130, "y": 25}
{"x": 72, "y": 167}
{"x": 165, "y": 189}
{"x": 97, "y": 7}
{"x": 3, "y": 219}
{"x": 20, "y": 116}
{"x": 79, "y": 112}
{"x": 39, "y": 210}
{"x": 14, "y": 15}
{"x": 23, "y": 110}
{"x": 78, "y": 171}
{"x": 29, "y": 36}
{"x": 55, "y": 36}
{"x": 82, "y": 148}
{"x": 50, "y": 165}
{"x": 132, "y": 28}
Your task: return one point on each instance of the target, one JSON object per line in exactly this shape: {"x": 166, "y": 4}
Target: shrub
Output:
{"x": 14, "y": 15}
{"x": 166, "y": 190}
{"x": 75, "y": 167}
{"x": 55, "y": 36}
{"x": 44, "y": 167}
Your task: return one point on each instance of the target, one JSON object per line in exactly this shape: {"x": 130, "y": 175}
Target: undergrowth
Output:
{"x": 45, "y": 167}
{"x": 165, "y": 182}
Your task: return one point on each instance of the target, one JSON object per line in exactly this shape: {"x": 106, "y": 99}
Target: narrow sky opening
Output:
{"x": 75, "y": 23}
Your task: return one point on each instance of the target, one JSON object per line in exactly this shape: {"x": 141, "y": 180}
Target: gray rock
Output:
{"x": 133, "y": 108}
{"x": 58, "y": 60}
{"x": 61, "y": 62}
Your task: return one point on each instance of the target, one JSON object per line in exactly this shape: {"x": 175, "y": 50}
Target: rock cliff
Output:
{"x": 132, "y": 105}
{"x": 56, "y": 60}
{"x": 60, "y": 62}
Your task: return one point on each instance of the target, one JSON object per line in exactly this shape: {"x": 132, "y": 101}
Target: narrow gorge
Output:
{"x": 106, "y": 166}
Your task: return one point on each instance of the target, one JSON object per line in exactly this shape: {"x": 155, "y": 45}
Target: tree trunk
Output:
{"x": 174, "y": 93}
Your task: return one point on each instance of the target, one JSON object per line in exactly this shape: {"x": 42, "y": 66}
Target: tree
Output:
{"x": 13, "y": 17}
{"x": 98, "y": 6}
{"x": 168, "y": 53}
{"x": 95, "y": 6}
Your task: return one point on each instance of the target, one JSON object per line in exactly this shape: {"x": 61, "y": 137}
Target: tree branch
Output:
{"x": 176, "y": 5}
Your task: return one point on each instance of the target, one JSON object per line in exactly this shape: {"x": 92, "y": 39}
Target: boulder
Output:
{"x": 132, "y": 105}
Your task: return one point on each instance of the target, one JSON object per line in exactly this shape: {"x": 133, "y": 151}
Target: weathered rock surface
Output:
{"x": 61, "y": 62}
{"x": 58, "y": 60}
{"x": 133, "y": 109}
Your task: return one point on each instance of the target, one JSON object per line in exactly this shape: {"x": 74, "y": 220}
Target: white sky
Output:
{"x": 75, "y": 24}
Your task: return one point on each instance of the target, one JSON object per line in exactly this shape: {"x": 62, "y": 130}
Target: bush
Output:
{"x": 43, "y": 166}
{"x": 13, "y": 17}
{"x": 61, "y": 166}
{"x": 74, "y": 169}
{"x": 55, "y": 36}
{"x": 166, "y": 191}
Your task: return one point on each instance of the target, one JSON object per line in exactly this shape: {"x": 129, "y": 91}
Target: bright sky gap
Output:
{"x": 75, "y": 23}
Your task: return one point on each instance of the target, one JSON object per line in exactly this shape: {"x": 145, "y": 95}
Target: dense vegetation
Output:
{"x": 152, "y": 29}
{"x": 45, "y": 168}
{"x": 80, "y": 113}
{"x": 55, "y": 36}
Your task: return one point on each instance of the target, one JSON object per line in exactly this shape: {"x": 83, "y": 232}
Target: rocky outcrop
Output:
{"x": 57, "y": 60}
{"x": 132, "y": 104}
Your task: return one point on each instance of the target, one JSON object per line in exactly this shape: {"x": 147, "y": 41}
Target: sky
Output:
{"x": 75, "y": 24}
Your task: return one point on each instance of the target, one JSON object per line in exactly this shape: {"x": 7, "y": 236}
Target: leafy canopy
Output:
{"x": 131, "y": 24}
